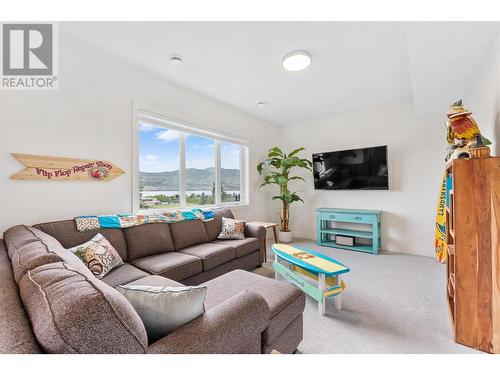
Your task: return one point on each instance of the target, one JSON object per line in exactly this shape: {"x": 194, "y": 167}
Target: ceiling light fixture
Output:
{"x": 176, "y": 59}
{"x": 261, "y": 104}
{"x": 296, "y": 61}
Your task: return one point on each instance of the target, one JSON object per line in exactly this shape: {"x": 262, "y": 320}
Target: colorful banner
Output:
{"x": 440, "y": 236}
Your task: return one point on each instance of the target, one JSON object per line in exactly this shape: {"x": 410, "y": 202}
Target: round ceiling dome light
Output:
{"x": 296, "y": 61}
{"x": 176, "y": 59}
{"x": 261, "y": 104}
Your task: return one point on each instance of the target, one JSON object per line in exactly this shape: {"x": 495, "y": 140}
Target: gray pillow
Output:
{"x": 164, "y": 309}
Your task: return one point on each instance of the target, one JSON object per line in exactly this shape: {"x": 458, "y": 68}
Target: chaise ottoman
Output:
{"x": 286, "y": 303}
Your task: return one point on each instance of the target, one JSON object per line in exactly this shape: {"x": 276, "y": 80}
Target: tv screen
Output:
{"x": 357, "y": 169}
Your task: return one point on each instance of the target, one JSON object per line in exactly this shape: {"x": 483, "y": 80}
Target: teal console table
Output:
{"x": 327, "y": 220}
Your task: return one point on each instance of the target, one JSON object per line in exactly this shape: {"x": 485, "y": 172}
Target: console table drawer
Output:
{"x": 352, "y": 218}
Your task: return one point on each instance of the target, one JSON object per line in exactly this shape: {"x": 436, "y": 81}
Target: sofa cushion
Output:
{"x": 148, "y": 239}
{"x": 288, "y": 340}
{"x": 123, "y": 274}
{"x": 188, "y": 233}
{"x": 16, "y": 335}
{"x": 211, "y": 254}
{"x": 214, "y": 226}
{"x": 73, "y": 313}
{"x": 234, "y": 326}
{"x": 285, "y": 301}
{"x": 16, "y": 237}
{"x": 173, "y": 265}
{"x": 248, "y": 262}
{"x": 66, "y": 233}
{"x": 242, "y": 247}
{"x": 44, "y": 249}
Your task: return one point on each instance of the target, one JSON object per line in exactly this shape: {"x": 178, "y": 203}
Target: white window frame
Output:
{"x": 161, "y": 118}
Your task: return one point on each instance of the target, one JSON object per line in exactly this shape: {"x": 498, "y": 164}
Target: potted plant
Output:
{"x": 277, "y": 169}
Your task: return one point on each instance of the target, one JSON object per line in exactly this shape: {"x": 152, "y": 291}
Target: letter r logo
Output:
{"x": 27, "y": 49}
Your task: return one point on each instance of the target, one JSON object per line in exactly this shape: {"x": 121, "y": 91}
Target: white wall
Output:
{"x": 416, "y": 148}
{"x": 483, "y": 98}
{"x": 90, "y": 116}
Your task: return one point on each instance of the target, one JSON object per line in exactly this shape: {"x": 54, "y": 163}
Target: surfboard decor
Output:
{"x": 54, "y": 168}
{"x": 440, "y": 234}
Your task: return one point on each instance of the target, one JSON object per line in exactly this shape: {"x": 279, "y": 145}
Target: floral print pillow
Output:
{"x": 98, "y": 255}
{"x": 87, "y": 223}
{"x": 232, "y": 229}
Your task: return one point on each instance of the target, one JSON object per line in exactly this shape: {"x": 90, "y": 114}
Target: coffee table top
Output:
{"x": 309, "y": 260}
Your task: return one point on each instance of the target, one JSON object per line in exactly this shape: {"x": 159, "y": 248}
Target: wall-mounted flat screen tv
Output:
{"x": 357, "y": 169}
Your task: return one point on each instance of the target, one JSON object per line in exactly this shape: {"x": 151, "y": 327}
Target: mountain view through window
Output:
{"x": 160, "y": 166}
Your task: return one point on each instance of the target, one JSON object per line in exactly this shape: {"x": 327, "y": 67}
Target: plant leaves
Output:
{"x": 275, "y": 150}
{"x": 295, "y": 197}
{"x": 280, "y": 180}
{"x": 296, "y": 151}
{"x": 274, "y": 154}
{"x": 263, "y": 184}
{"x": 280, "y": 175}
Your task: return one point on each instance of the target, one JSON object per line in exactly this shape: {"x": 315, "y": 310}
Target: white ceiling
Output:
{"x": 355, "y": 64}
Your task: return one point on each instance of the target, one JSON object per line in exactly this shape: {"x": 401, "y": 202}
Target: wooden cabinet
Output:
{"x": 473, "y": 263}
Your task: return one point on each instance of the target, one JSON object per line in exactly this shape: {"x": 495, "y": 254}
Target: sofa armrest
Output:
{"x": 258, "y": 231}
{"x": 234, "y": 326}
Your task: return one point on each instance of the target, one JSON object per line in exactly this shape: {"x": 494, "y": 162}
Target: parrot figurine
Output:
{"x": 462, "y": 126}
{"x": 462, "y": 131}
{"x": 464, "y": 141}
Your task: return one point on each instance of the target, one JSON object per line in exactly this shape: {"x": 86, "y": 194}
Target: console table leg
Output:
{"x": 321, "y": 287}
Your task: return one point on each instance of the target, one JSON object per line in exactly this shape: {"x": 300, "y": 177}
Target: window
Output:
{"x": 200, "y": 170}
{"x": 230, "y": 172}
{"x": 180, "y": 166}
{"x": 159, "y": 185}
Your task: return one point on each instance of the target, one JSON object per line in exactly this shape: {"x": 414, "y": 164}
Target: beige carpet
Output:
{"x": 394, "y": 303}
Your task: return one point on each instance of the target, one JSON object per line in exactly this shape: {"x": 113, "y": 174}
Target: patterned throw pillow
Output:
{"x": 232, "y": 229}
{"x": 87, "y": 223}
{"x": 98, "y": 255}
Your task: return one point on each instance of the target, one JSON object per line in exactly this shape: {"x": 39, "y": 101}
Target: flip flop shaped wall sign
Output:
{"x": 54, "y": 168}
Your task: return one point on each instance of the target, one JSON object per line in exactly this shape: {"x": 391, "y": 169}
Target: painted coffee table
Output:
{"x": 295, "y": 262}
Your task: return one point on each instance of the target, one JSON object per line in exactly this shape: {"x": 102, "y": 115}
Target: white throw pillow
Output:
{"x": 232, "y": 229}
{"x": 164, "y": 309}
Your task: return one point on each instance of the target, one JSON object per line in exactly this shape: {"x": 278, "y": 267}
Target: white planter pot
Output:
{"x": 285, "y": 237}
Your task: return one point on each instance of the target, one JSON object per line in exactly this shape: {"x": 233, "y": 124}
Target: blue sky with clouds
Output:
{"x": 159, "y": 151}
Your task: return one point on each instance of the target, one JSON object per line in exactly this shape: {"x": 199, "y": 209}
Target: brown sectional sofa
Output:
{"x": 52, "y": 303}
